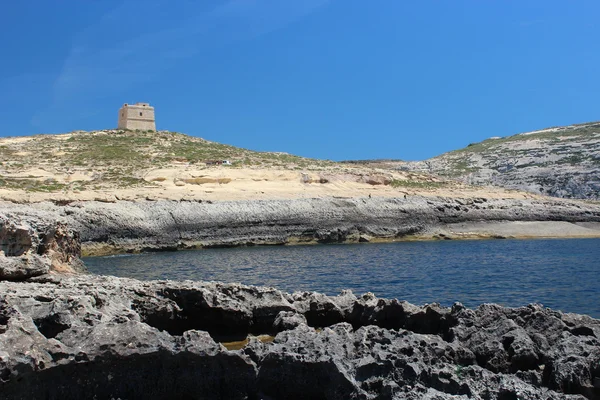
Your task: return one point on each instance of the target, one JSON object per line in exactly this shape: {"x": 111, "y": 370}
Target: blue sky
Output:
{"x": 333, "y": 79}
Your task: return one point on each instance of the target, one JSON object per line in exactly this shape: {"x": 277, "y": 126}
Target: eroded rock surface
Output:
{"x": 32, "y": 246}
{"x": 162, "y": 225}
{"x": 73, "y": 337}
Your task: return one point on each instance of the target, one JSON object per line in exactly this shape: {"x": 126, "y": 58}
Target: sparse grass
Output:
{"x": 31, "y": 185}
{"x": 576, "y": 158}
{"x": 572, "y": 132}
{"x": 397, "y": 183}
{"x": 571, "y": 145}
{"x": 129, "y": 181}
{"x": 120, "y": 157}
{"x": 460, "y": 167}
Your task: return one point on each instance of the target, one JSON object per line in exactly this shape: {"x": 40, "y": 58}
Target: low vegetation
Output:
{"x": 105, "y": 160}
{"x": 120, "y": 158}
{"x": 574, "y": 145}
{"x": 413, "y": 184}
{"x": 558, "y": 161}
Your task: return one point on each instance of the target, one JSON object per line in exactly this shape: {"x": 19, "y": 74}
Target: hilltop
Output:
{"x": 558, "y": 161}
{"x": 109, "y": 165}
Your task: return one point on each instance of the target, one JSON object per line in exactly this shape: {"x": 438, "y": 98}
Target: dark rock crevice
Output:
{"x": 51, "y": 325}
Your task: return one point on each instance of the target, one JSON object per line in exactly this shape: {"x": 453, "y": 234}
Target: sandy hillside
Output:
{"x": 111, "y": 165}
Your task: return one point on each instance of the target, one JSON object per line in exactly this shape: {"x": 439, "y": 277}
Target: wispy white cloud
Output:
{"x": 131, "y": 45}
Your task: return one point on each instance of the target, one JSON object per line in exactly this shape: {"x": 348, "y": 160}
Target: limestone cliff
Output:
{"x": 561, "y": 162}
{"x": 158, "y": 225}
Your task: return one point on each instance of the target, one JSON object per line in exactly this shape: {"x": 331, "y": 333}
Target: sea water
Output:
{"x": 560, "y": 274}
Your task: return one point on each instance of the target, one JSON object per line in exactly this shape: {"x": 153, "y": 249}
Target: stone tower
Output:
{"x": 137, "y": 116}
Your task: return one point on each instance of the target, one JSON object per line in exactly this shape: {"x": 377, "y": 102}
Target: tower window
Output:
{"x": 140, "y": 114}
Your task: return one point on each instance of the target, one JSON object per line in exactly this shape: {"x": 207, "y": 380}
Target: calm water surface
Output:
{"x": 561, "y": 274}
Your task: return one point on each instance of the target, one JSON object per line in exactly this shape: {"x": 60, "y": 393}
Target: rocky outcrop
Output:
{"x": 32, "y": 247}
{"x": 162, "y": 225}
{"x": 561, "y": 162}
{"x": 105, "y": 337}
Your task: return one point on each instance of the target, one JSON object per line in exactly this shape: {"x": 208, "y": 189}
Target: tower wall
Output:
{"x": 137, "y": 116}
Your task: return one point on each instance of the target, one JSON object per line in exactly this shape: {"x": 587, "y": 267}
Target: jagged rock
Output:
{"x": 298, "y": 365}
{"x": 287, "y": 320}
{"x": 573, "y": 364}
{"x": 122, "y": 338}
{"x": 394, "y": 314}
{"x": 319, "y": 309}
{"x": 23, "y": 267}
{"x": 16, "y": 240}
{"x": 365, "y": 238}
{"x": 63, "y": 246}
{"x": 34, "y": 247}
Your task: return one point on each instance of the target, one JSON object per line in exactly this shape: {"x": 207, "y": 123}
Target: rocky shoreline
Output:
{"x": 65, "y": 335}
{"x": 77, "y": 337}
{"x": 123, "y": 226}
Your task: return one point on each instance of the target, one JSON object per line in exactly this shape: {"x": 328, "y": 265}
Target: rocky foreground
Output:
{"x": 69, "y": 336}
{"x": 105, "y": 337}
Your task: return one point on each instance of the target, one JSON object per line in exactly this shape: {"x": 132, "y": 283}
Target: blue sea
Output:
{"x": 560, "y": 274}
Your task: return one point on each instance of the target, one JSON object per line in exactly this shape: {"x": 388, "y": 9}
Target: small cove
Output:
{"x": 562, "y": 274}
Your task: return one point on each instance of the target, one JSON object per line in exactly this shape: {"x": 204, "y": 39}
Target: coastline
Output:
{"x": 143, "y": 226}
{"x": 126, "y": 338}
{"x": 492, "y": 231}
